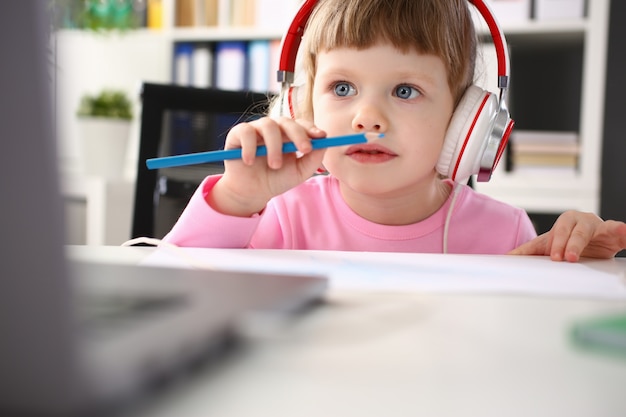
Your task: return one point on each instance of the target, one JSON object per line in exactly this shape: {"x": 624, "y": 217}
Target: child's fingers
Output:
{"x": 271, "y": 133}
{"x": 616, "y": 233}
{"x": 577, "y": 234}
{"x": 244, "y": 136}
{"x": 296, "y": 133}
{"x": 572, "y": 235}
{"x": 608, "y": 239}
{"x": 537, "y": 246}
{"x": 578, "y": 241}
{"x": 300, "y": 132}
{"x": 275, "y": 132}
{"x": 561, "y": 234}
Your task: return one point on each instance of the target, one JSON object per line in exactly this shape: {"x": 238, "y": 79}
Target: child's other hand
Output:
{"x": 576, "y": 234}
{"x": 249, "y": 183}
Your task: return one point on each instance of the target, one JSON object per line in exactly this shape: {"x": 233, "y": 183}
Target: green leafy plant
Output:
{"x": 113, "y": 104}
{"x": 98, "y": 15}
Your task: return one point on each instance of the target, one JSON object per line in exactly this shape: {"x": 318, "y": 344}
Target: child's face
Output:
{"x": 381, "y": 89}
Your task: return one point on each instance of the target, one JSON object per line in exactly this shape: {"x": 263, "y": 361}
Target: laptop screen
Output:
{"x": 34, "y": 289}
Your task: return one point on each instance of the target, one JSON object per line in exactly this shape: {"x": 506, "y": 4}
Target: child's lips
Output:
{"x": 369, "y": 148}
{"x": 370, "y": 153}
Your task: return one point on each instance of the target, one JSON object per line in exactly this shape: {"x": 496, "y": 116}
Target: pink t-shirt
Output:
{"x": 314, "y": 215}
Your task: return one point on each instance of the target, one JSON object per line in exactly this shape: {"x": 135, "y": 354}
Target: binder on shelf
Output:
{"x": 185, "y": 13}
{"x": 183, "y": 53}
{"x": 140, "y": 14}
{"x": 202, "y": 66}
{"x": 154, "y": 12}
{"x": 223, "y": 13}
{"x": 231, "y": 65}
{"x": 242, "y": 13}
{"x": 259, "y": 65}
{"x": 208, "y": 12}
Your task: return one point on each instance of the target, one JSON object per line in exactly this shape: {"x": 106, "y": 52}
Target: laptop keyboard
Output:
{"x": 102, "y": 312}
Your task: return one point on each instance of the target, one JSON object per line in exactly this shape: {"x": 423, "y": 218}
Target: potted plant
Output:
{"x": 104, "y": 126}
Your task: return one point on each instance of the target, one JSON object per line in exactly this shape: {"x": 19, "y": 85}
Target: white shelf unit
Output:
{"x": 537, "y": 192}
{"x": 216, "y": 34}
{"x": 545, "y": 191}
{"x": 540, "y": 191}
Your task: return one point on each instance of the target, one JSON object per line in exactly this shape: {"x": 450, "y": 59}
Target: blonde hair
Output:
{"x": 443, "y": 28}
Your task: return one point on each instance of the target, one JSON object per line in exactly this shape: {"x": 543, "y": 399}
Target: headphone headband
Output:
{"x": 292, "y": 38}
{"x": 499, "y": 41}
{"x": 291, "y": 42}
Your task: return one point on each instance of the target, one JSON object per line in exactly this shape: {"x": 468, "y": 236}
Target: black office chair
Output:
{"x": 177, "y": 120}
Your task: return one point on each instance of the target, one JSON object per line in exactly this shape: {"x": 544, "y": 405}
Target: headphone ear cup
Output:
{"x": 290, "y": 102}
{"x": 287, "y": 103}
{"x": 295, "y": 99}
{"x": 467, "y": 135}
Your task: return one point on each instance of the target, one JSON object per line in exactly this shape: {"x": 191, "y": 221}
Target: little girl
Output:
{"x": 392, "y": 67}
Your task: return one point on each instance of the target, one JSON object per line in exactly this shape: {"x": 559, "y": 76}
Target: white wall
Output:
{"x": 86, "y": 62}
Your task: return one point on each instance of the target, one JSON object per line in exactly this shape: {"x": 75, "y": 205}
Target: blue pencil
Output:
{"x": 222, "y": 155}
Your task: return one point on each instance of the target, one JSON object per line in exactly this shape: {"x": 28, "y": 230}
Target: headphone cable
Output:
{"x": 446, "y": 226}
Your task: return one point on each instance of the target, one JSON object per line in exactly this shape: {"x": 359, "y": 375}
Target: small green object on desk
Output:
{"x": 606, "y": 334}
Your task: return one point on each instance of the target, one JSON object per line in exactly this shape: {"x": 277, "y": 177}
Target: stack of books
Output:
{"x": 540, "y": 150}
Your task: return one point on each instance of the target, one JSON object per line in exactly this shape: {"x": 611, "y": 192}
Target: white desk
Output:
{"x": 368, "y": 353}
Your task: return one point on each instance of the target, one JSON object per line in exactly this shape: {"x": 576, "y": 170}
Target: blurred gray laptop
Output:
{"x": 77, "y": 336}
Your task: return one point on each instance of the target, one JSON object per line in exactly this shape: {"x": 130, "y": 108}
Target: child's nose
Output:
{"x": 369, "y": 118}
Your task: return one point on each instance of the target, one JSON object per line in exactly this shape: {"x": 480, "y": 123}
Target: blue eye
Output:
{"x": 406, "y": 92}
{"x": 343, "y": 89}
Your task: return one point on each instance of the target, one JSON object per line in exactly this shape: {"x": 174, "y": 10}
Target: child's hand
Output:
{"x": 249, "y": 183}
{"x": 576, "y": 234}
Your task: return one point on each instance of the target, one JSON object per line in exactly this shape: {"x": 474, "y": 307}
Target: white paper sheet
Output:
{"x": 367, "y": 271}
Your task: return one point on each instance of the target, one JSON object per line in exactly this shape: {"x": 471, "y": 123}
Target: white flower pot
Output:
{"x": 103, "y": 144}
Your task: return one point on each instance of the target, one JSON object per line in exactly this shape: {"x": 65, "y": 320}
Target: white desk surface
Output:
{"x": 412, "y": 353}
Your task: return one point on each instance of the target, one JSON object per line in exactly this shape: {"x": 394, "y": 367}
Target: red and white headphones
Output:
{"x": 480, "y": 126}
